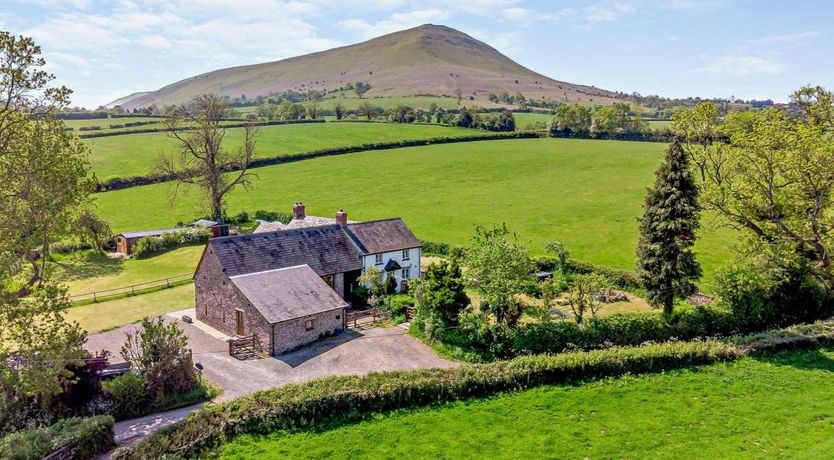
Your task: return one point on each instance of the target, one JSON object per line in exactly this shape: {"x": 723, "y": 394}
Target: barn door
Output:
{"x": 239, "y": 321}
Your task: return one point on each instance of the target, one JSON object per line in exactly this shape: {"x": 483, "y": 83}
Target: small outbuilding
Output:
{"x": 125, "y": 242}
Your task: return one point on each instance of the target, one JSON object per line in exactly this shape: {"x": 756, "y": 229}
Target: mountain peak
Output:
{"x": 427, "y": 59}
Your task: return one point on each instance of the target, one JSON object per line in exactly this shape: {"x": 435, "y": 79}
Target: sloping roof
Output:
{"x": 326, "y": 249}
{"x": 306, "y": 222}
{"x": 204, "y": 223}
{"x": 144, "y": 233}
{"x": 392, "y": 265}
{"x": 266, "y": 226}
{"x": 386, "y": 235}
{"x": 288, "y": 293}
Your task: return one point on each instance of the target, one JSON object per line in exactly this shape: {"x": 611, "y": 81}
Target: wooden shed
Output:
{"x": 126, "y": 241}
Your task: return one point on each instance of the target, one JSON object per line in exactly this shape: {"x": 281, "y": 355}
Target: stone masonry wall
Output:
{"x": 293, "y": 334}
{"x": 216, "y": 300}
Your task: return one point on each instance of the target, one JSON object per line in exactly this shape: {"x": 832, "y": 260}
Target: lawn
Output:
{"x": 522, "y": 119}
{"x": 87, "y": 271}
{"x": 586, "y": 192}
{"x": 103, "y": 316}
{"x": 135, "y": 154}
{"x": 774, "y": 407}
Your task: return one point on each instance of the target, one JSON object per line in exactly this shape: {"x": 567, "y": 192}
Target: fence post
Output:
{"x": 94, "y": 298}
{"x": 133, "y": 290}
{"x": 168, "y": 281}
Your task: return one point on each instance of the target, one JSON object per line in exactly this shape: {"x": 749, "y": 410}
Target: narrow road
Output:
{"x": 137, "y": 428}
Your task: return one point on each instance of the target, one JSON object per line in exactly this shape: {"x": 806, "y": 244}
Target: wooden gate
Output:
{"x": 244, "y": 348}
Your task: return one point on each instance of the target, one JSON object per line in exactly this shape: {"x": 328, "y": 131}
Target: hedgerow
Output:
{"x": 342, "y": 399}
{"x": 75, "y": 438}
{"x": 117, "y": 183}
{"x": 154, "y": 245}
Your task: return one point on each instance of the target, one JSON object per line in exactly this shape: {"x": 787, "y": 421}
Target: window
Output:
{"x": 405, "y": 274}
{"x": 309, "y": 324}
{"x": 378, "y": 259}
{"x": 406, "y": 254}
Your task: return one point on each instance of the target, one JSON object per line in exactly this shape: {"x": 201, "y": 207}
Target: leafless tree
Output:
{"x": 201, "y": 159}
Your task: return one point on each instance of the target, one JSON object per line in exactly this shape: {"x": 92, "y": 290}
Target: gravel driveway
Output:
{"x": 352, "y": 352}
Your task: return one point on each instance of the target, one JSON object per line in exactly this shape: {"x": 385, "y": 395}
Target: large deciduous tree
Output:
{"x": 202, "y": 160}
{"x": 499, "y": 269}
{"x": 770, "y": 175}
{"x": 45, "y": 184}
{"x": 666, "y": 264}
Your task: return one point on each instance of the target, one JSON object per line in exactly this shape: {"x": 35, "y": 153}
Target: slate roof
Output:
{"x": 267, "y": 226}
{"x": 288, "y": 293}
{"x": 144, "y": 233}
{"x": 386, "y": 235}
{"x": 326, "y": 249}
{"x": 392, "y": 265}
{"x": 204, "y": 223}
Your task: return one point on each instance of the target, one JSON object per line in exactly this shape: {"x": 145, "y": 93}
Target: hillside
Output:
{"x": 428, "y": 59}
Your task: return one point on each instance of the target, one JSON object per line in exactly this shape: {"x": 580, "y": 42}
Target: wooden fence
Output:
{"x": 134, "y": 289}
{"x": 244, "y": 348}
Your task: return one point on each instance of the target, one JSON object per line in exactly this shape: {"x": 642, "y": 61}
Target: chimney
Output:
{"x": 298, "y": 210}
{"x": 341, "y": 217}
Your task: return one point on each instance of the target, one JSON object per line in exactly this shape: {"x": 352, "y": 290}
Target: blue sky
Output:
{"x": 742, "y": 48}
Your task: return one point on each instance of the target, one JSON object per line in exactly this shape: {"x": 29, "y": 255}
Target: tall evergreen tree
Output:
{"x": 666, "y": 264}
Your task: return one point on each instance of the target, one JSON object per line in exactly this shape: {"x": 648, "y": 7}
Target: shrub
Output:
{"x": 159, "y": 353}
{"x": 397, "y": 303}
{"x": 128, "y": 395}
{"x": 154, "y": 245}
{"x": 81, "y": 438}
{"x": 341, "y": 399}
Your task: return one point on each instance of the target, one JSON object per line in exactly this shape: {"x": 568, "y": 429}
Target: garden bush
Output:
{"x": 128, "y": 395}
{"x": 341, "y": 399}
{"x": 154, "y": 245}
{"x": 77, "y": 438}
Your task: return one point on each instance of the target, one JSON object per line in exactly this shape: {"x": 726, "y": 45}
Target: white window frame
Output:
{"x": 406, "y": 254}
{"x": 406, "y": 273}
{"x": 377, "y": 259}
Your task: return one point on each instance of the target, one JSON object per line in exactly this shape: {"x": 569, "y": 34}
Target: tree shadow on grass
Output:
{"x": 819, "y": 358}
{"x": 85, "y": 266}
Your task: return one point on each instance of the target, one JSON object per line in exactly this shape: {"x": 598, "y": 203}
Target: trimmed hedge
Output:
{"x": 72, "y": 438}
{"x": 163, "y": 129}
{"x": 348, "y": 398}
{"x": 118, "y": 183}
{"x": 623, "y": 279}
{"x": 153, "y": 245}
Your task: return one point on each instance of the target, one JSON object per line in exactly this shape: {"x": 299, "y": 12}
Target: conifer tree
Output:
{"x": 666, "y": 264}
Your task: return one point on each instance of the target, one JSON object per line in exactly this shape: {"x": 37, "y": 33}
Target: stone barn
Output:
{"x": 287, "y": 287}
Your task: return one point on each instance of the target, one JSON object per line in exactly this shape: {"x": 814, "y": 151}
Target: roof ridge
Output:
{"x": 283, "y": 232}
{"x": 242, "y": 275}
{"x": 374, "y": 221}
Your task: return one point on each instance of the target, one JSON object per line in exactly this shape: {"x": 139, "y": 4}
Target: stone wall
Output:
{"x": 216, "y": 300}
{"x": 293, "y": 334}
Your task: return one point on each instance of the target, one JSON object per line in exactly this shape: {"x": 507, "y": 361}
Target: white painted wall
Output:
{"x": 412, "y": 263}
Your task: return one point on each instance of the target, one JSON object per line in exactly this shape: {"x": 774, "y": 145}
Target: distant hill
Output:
{"x": 428, "y": 59}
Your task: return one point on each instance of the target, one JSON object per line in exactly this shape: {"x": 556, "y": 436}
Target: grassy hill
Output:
{"x": 586, "y": 192}
{"x": 429, "y": 59}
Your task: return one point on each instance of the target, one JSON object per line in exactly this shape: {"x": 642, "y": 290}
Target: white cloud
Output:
{"x": 155, "y": 41}
{"x": 607, "y": 13}
{"x": 397, "y": 21}
{"x": 742, "y": 66}
{"x": 525, "y": 17}
{"x": 786, "y": 39}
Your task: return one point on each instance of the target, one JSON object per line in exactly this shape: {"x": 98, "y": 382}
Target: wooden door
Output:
{"x": 239, "y": 321}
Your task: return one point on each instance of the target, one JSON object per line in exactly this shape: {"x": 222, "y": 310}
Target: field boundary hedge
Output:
{"x": 72, "y": 438}
{"x": 235, "y": 125}
{"x": 123, "y": 183}
{"x": 342, "y": 399}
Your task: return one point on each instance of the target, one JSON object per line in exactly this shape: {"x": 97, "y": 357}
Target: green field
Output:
{"x": 350, "y": 101}
{"x": 586, "y": 192}
{"x": 774, "y": 407}
{"x": 87, "y": 272}
{"x": 102, "y": 316}
{"x": 523, "y": 118}
{"x": 134, "y": 154}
